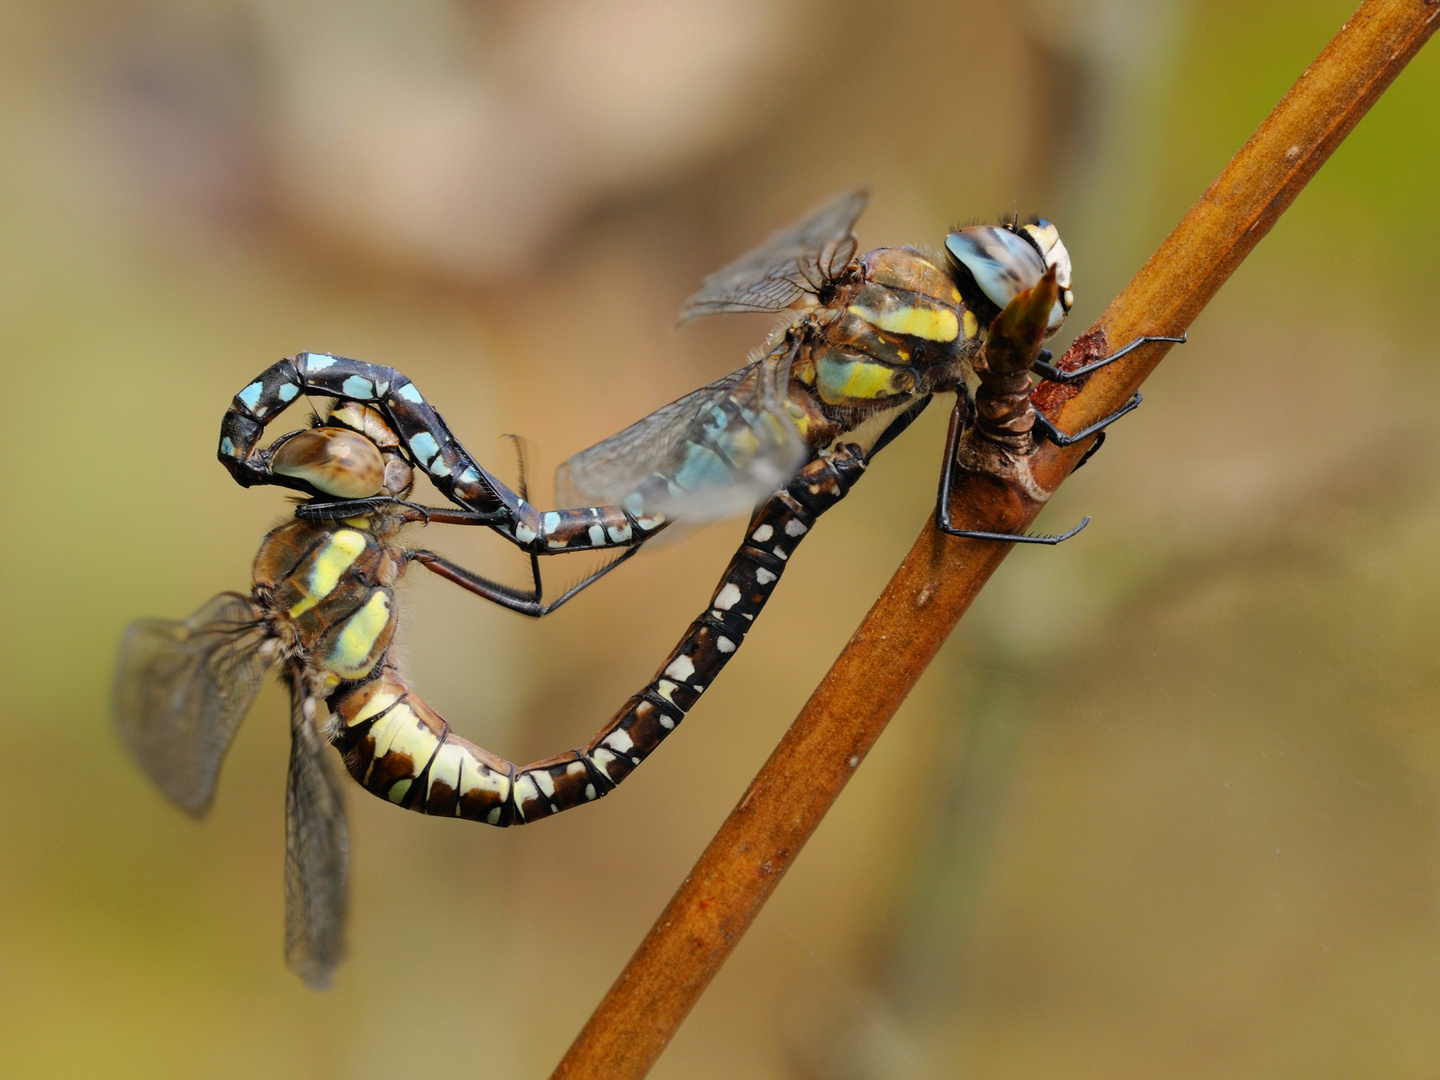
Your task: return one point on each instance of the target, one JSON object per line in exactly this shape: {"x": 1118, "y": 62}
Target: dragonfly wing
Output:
{"x": 707, "y": 456}
{"x": 317, "y": 855}
{"x": 798, "y": 260}
{"x": 182, "y": 688}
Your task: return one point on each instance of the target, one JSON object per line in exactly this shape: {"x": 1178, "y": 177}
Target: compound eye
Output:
{"x": 1003, "y": 264}
{"x": 333, "y": 461}
{"x": 399, "y": 477}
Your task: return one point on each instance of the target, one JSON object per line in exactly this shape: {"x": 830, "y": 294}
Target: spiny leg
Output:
{"x": 942, "y": 504}
{"x": 1053, "y": 434}
{"x": 1047, "y": 370}
{"x": 526, "y": 603}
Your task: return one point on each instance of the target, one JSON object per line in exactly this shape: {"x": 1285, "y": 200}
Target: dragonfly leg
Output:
{"x": 1045, "y": 369}
{"x": 897, "y": 426}
{"x": 942, "y": 503}
{"x": 339, "y": 510}
{"x": 1050, "y": 432}
{"x": 525, "y": 602}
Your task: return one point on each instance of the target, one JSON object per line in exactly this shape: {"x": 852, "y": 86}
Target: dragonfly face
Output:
{"x": 997, "y": 263}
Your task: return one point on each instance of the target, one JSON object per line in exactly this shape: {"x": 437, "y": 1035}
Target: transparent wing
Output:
{"x": 711, "y": 454}
{"x": 182, "y": 688}
{"x": 317, "y": 855}
{"x": 797, "y": 260}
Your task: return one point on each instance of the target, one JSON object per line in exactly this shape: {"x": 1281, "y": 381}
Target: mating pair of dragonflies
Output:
{"x": 867, "y": 341}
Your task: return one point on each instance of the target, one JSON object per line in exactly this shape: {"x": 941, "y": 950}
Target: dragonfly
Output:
{"x": 865, "y": 344}
{"x": 322, "y": 610}
{"x": 787, "y": 428}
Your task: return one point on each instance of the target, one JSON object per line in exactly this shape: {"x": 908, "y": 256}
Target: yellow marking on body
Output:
{"x": 445, "y": 769}
{"x": 375, "y": 706}
{"x": 972, "y": 324}
{"x": 350, "y": 656}
{"x": 358, "y": 522}
{"x": 490, "y": 780}
{"x": 417, "y": 740}
{"x": 862, "y": 381}
{"x": 525, "y": 790}
{"x": 932, "y": 324}
{"x": 384, "y": 731}
{"x": 332, "y": 560}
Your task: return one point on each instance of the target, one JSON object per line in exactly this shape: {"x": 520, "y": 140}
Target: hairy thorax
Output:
{"x": 328, "y": 590}
{"x": 894, "y": 329}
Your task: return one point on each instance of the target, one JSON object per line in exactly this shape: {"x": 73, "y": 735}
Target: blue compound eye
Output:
{"x": 1003, "y": 264}
{"x": 333, "y": 461}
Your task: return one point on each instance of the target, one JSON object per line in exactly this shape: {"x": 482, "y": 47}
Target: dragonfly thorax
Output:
{"x": 896, "y": 328}
{"x": 328, "y": 589}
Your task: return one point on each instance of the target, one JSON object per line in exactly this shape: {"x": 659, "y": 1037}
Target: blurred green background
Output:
{"x": 1168, "y": 805}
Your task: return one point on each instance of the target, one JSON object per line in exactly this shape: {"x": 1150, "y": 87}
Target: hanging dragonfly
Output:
{"x": 323, "y": 609}
{"x": 870, "y": 342}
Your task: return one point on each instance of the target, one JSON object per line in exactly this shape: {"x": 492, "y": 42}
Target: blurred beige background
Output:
{"x": 1167, "y": 806}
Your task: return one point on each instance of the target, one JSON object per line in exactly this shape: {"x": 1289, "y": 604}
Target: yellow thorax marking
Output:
{"x": 350, "y": 658}
{"x": 332, "y": 560}
{"x": 972, "y": 324}
{"x": 856, "y": 380}
{"x": 932, "y": 324}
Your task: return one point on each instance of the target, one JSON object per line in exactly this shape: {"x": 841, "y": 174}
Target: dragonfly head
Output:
{"x": 993, "y": 264}
{"x": 355, "y": 454}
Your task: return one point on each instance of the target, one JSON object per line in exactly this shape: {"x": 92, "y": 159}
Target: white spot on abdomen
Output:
{"x": 727, "y": 597}
{"x": 681, "y": 668}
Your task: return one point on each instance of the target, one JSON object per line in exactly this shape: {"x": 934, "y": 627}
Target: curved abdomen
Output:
{"x": 400, "y": 749}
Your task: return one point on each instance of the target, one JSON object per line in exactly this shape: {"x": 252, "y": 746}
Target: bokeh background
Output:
{"x": 1168, "y": 805}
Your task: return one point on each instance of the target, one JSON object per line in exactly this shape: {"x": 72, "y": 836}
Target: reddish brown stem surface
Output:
{"x": 941, "y": 575}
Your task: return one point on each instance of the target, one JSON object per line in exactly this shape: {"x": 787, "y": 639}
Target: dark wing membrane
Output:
{"x": 317, "y": 855}
{"x": 797, "y": 260}
{"x": 182, "y": 688}
{"x": 711, "y": 454}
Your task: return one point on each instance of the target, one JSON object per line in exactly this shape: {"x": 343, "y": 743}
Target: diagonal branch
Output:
{"x": 941, "y": 576}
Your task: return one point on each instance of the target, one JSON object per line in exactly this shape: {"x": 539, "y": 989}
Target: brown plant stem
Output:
{"x": 941, "y": 575}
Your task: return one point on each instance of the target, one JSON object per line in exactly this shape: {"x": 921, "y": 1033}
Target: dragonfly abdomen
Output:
{"x": 397, "y": 747}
